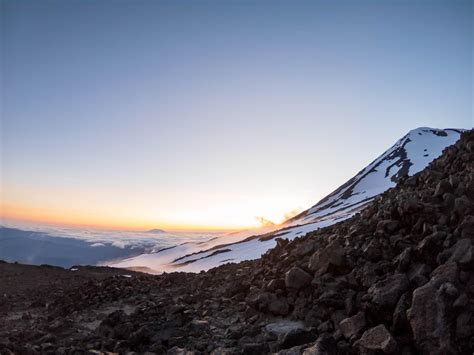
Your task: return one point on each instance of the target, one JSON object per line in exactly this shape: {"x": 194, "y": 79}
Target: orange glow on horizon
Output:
{"x": 83, "y": 220}
{"x": 135, "y": 210}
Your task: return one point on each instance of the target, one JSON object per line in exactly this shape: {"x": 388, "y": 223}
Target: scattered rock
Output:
{"x": 378, "y": 339}
{"x": 403, "y": 263}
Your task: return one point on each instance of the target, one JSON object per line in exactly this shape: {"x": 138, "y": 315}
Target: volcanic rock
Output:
{"x": 329, "y": 259}
{"x": 353, "y": 325}
{"x": 388, "y": 291}
{"x": 297, "y": 278}
{"x": 378, "y": 339}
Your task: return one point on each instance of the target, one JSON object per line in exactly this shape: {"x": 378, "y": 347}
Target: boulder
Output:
{"x": 122, "y": 330}
{"x": 387, "y": 226}
{"x": 261, "y": 300}
{"x": 442, "y": 187}
{"x": 296, "y": 337}
{"x": 430, "y": 319}
{"x": 418, "y": 274}
{"x": 403, "y": 260}
{"x": 140, "y": 336}
{"x": 372, "y": 250}
{"x": 225, "y": 351}
{"x": 199, "y": 325}
{"x": 296, "y": 350}
{"x": 283, "y": 327}
{"x": 463, "y": 253}
{"x": 367, "y": 275}
{"x": 325, "y": 345}
{"x": 465, "y": 325}
{"x": 378, "y": 339}
{"x": 386, "y": 293}
{"x": 411, "y": 181}
{"x": 467, "y": 227}
{"x": 329, "y": 259}
{"x": 114, "y": 318}
{"x": 462, "y": 205}
{"x": 279, "y": 307}
{"x": 296, "y": 278}
{"x": 430, "y": 246}
{"x": 409, "y": 205}
{"x": 253, "y": 348}
{"x": 353, "y": 325}
{"x": 180, "y": 351}
{"x": 400, "y": 320}
{"x": 448, "y": 272}
{"x": 275, "y": 284}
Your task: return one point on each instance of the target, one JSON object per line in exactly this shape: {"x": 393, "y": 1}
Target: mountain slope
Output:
{"x": 407, "y": 156}
{"x": 398, "y": 278}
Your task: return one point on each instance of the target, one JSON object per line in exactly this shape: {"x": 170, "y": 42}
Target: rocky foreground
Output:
{"x": 395, "y": 279}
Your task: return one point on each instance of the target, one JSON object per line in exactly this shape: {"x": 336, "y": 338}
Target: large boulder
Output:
{"x": 430, "y": 318}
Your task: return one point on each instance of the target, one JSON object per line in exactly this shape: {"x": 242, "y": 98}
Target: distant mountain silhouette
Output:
{"x": 156, "y": 231}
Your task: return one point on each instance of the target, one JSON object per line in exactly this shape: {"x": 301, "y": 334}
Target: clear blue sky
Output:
{"x": 210, "y": 113}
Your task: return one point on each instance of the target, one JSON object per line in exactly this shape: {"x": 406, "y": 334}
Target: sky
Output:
{"x": 215, "y": 115}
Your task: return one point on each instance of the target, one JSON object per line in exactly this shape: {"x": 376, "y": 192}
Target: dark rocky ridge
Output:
{"x": 396, "y": 278}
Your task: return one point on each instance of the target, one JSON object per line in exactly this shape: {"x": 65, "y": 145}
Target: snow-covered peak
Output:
{"x": 409, "y": 155}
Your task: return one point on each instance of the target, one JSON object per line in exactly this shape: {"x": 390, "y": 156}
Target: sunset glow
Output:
{"x": 201, "y": 214}
{"x": 212, "y": 115}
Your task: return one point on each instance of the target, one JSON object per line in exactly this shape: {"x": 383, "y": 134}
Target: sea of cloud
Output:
{"x": 149, "y": 241}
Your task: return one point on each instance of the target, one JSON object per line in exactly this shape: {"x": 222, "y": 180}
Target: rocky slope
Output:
{"x": 397, "y": 278}
{"x": 410, "y": 154}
